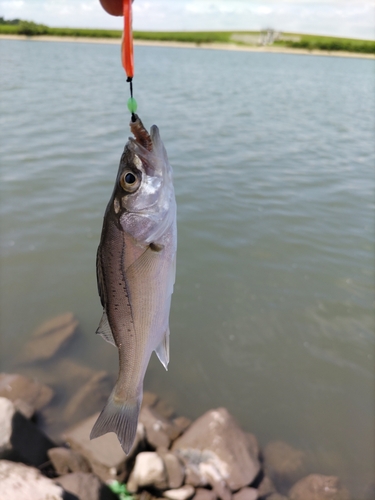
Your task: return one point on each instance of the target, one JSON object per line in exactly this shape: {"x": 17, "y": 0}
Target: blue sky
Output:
{"x": 353, "y": 18}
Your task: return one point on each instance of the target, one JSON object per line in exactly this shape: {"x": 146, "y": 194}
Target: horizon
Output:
{"x": 333, "y": 18}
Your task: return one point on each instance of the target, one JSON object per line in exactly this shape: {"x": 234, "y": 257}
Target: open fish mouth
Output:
{"x": 140, "y": 133}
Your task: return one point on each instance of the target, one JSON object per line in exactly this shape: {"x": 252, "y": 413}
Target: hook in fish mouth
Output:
{"x": 140, "y": 133}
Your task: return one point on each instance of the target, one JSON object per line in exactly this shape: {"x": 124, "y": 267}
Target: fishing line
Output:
{"x": 132, "y": 103}
{"x": 127, "y": 56}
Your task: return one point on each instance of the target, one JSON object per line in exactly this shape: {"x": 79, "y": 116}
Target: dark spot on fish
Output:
{"x": 156, "y": 247}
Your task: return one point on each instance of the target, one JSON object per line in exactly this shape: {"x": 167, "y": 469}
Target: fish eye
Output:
{"x": 130, "y": 178}
{"x": 129, "y": 181}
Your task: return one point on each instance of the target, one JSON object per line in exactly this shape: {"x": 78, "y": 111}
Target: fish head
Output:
{"x": 143, "y": 198}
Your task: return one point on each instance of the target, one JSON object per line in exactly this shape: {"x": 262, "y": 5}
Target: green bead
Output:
{"x": 132, "y": 105}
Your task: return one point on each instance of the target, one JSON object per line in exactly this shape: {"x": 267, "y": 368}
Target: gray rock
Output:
{"x": 20, "y": 439}
{"x": 155, "y": 426}
{"x": 252, "y": 444}
{"x": 266, "y": 487}
{"x": 21, "y": 482}
{"x": 27, "y": 394}
{"x": 216, "y": 439}
{"x": 194, "y": 476}
{"x": 204, "y": 494}
{"x": 105, "y": 455}
{"x": 164, "y": 408}
{"x": 181, "y": 424}
{"x": 215, "y": 479}
{"x": 85, "y": 486}
{"x": 276, "y": 496}
{"x": 65, "y": 460}
{"x": 90, "y": 398}
{"x": 174, "y": 469}
{"x": 284, "y": 464}
{"x": 149, "y": 470}
{"x": 319, "y": 487}
{"x": 49, "y": 338}
{"x": 246, "y": 494}
{"x": 183, "y": 493}
{"x": 149, "y": 399}
{"x": 160, "y": 431}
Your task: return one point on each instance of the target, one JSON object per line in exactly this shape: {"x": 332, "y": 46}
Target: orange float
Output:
{"x": 127, "y": 55}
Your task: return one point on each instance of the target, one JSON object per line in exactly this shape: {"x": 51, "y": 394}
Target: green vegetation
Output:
{"x": 28, "y": 28}
{"x": 309, "y": 42}
{"x": 316, "y": 42}
{"x": 185, "y": 36}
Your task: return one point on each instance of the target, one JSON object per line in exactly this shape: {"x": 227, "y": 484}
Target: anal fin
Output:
{"x": 162, "y": 350}
{"x": 105, "y": 330}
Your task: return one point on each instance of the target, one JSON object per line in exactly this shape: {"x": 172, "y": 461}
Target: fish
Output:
{"x": 136, "y": 268}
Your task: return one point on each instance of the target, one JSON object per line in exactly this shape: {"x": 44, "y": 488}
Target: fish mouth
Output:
{"x": 140, "y": 133}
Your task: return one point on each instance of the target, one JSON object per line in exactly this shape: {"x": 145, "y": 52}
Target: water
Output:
{"x": 273, "y": 155}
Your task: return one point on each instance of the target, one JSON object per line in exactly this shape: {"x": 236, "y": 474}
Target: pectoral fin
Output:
{"x": 162, "y": 350}
{"x": 105, "y": 330}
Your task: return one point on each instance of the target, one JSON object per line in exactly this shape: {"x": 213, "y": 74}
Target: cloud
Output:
{"x": 332, "y": 17}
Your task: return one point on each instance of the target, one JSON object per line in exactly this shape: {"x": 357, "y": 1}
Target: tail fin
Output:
{"x": 121, "y": 418}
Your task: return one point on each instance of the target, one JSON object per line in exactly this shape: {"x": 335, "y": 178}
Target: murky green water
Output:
{"x": 273, "y": 155}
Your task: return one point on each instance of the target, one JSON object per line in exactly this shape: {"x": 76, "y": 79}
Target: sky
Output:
{"x": 351, "y": 18}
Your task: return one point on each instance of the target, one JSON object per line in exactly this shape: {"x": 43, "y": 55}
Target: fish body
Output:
{"x": 136, "y": 273}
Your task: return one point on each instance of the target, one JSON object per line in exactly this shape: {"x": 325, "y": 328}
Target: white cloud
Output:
{"x": 335, "y": 17}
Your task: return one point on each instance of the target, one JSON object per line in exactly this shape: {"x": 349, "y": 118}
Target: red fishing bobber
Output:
{"x": 127, "y": 40}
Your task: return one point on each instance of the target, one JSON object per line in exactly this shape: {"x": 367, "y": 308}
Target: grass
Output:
{"x": 185, "y": 36}
{"x": 300, "y": 41}
{"x": 330, "y": 43}
{"x": 32, "y": 29}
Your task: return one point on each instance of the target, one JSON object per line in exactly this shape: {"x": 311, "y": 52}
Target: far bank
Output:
{"x": 207, "y": 46}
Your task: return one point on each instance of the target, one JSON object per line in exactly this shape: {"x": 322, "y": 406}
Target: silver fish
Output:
{"x": 136, "y": 266}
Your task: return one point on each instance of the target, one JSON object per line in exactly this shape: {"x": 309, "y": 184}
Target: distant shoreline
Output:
{"x": 190, "y": 45}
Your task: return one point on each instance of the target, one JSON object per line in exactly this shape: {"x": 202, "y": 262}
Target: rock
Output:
{"x": 266, "y": 487}
{"x": 215, "y": 479}
{"x": 90, "y": 398}
{"x": 21, "y": 482}
{"x": 252, "y": 444}
{"x": 193, "y": 475}
{"x": 276, "y": 496}
{"x": 217, "y": 439}
{"x": 149, "y": 399}
{"x": 204, "y": 494}
{"x": 20, "y": 439}
{"x": 65, "y": 461}
{"x": 105, "y": 455}
{"x": 164, "y": 408}
{"x": 160, "y": 431}
{"x": 155, "y": 427}
{"x": 49, "y": 338}
{"x": 183, "y": 493}
{"x": 174, "y": 469}
{"x": 246, "y": 494}
{"x": 27, "y": 394}
{"x": 181, "y": 424}
{"x": 318, "y": 487}
{"x": 148, "y": 470}
{"x": 64, "y": 372}
{"x": 284, "y": 464}
{"x": 85, "y": 486}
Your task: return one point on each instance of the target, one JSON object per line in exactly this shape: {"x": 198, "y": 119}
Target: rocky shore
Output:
{"x": 173, "y": 458}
